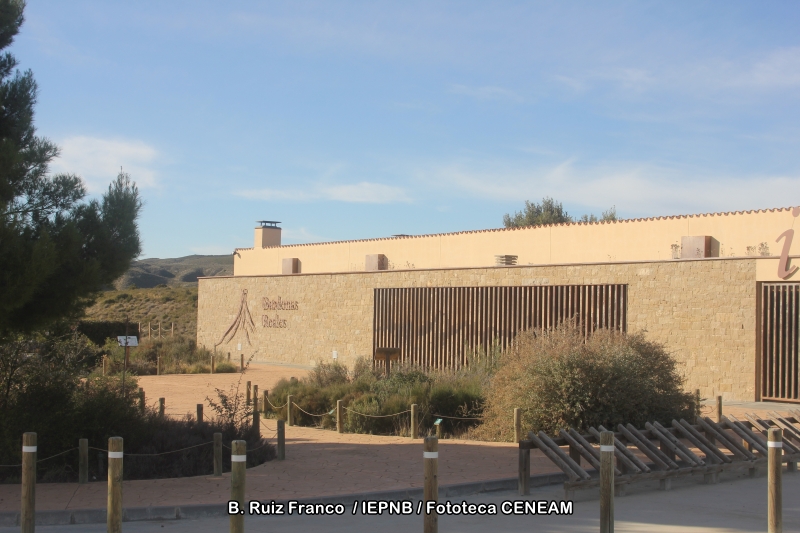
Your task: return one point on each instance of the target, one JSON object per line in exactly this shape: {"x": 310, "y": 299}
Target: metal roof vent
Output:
{"x": 505, "y": 260}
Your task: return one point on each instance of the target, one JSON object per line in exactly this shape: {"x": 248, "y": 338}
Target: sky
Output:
{"x": 353, "y": 120}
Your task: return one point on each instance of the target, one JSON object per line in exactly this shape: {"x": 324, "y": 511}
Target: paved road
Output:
{"x": 731, "y": 506}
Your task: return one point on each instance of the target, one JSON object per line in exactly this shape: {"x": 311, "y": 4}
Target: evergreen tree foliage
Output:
{"x": 550, "y": 212}
{"x": 56, "y": 249}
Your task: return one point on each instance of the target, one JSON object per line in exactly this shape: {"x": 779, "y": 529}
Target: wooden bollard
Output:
{"x": 105, "y": 365}
{"x": 162, "y": 407}
{"x": 517, "y": 424}
{"x": 430, "y": 460}
{"x": 141, "y": 400}
{"x": 439, "y": 430}
{"x": 281, "y": 440}
{"x": 27, "y": 517}
{"x": 339, "y": 416}
{"x": 255, "y": 397}
{"x": 524, "y": 474}
{"x": 114, "y": 512}
{"x": 256, "y": 423}
{"x": 199, "y": 413}
{"x": 241, "y": 362}
{"x": 414, "y": 422}
{"x": 238, "y": 472}
{"x": 212, "y": 364}
{"x": 289, "y": 401}
{"x": 606, "y": 482}
{"x": 83, "y": 461}
{"x": 158, "y": 365}
{"x": 719, "y": 409}
{"x": 217, "y": 454}
{"x": 774, "y": 482}
{"x": 248, "y": 393}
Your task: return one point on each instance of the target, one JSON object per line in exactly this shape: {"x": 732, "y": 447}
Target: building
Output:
{"x": 720, "y": 289}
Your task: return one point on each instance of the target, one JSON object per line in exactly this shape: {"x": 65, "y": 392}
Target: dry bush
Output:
{"x": 560, "y": 381}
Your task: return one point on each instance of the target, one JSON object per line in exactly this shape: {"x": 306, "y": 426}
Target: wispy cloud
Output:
{"x": 363, "y": 192}
{"x": 299, "y": 235}
{"x": 98, "y": 161}
{"x": 486, "y": 92}
{"x": 635, "y": 188}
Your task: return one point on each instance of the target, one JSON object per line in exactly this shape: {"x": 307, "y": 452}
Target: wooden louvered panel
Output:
{"x": 779, "y": 341}
{"x": 438, "y": 327}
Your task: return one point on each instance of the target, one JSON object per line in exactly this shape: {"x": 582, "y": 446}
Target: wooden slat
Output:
{"x": 647, "y": 448}
{"x": 744, "y": 433}
{"x": 674, "y": 444}
{"x": 554, "y": 457}
{"x": 586, "y": 450}
{"x": 626, "y": 456}
{"x": 719, "y": 434}
{"x": 564, "y": 457}
{"x": 700, "y": 442}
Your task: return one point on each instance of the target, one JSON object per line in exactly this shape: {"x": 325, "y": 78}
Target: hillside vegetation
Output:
{"x": 180, "y": 271}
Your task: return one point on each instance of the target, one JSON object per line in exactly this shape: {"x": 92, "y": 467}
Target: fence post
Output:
{"x": 199, "y": 413}
{"x": 114, "y": 513}
{"x": 414, "y": 423}
{"x": 255, "y": 397}
{"x": 719, "y": 409}
{"x": 238, "y": 471}
{"x": 212, "y": 364}
{"x": 524, "y": 476}
{"x": 248, "y": 392}
{"x": 161, "y": 406}
{"x": 105, "y": 365}
{"x": 83, "y": 461}
{"x": 289, "y": 419}
{"x": 339, "y": 416}
{"x": 217, "y": 454}
{"x": 430, "y": 459}
{"x": 141, "y": 400}
{"x": 257, "y": 423}
{"x": 158, "y": 365}
{"x": 517, "y": 424}
{"x": 27, "y": 518}
{"x": 241, "y": 362}
{"x": 281, "y": 440}
{"x": 606, "y": 482}
{"x": 774, "y": 484}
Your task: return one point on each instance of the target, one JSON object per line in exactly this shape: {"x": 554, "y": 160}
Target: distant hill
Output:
{"x": 181, "y": 271}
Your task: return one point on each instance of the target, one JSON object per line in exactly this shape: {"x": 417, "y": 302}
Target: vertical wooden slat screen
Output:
{"x": 439, "y": 326}
{"x": 780, "y": 310}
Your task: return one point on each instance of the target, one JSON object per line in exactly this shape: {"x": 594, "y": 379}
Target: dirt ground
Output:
{"x": 182, "y": 392}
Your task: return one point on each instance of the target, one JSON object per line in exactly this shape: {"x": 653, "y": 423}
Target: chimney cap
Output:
{"x": 268, "y": 223}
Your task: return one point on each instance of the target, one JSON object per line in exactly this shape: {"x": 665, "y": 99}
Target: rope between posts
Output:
{"x": 281, "y": 407}
{"x": 306, "y": 412}
{"x": 41, "y": 460}
{"x": 458, "y": 417}
{"x": 154, "y": 454}
{"x": 378, "y": 416}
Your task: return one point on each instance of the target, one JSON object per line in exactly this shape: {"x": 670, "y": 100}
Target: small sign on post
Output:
{"x": 128, "y": 341}
{"x": 387, "y": 355}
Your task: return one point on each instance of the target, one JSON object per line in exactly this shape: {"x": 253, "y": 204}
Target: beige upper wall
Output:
{"x": 627, "y": 240}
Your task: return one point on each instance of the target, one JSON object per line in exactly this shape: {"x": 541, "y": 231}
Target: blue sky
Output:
{"x": 355, "y": 120}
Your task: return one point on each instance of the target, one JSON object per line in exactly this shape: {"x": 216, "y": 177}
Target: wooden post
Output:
{"x": 257, "y": 423}
{"x": 158, "y": 365}
{"x": 248, "y": 392}
{"x": 83, "y": 461}
{"x": 141, "y": 399}
{"x": 161, "y": 406}
{"x": 212, "y": 364}
{"x": 775, "y": 488}
{"x": 719, "y": 409}
{"x": 114, "y": 513}
{"x": 265, "y": 403}
{"x": 27, "y": 517}
{"x": 339, "y": 417}
{"x": 199, "y": 413}
{"x": 517, "y": 424}
{"x": 255, "y": 397}
{"x": 217, "y": 454}
{"x": 149, "y": 330}
{"x": 524, "y": 477}
{"x": 606, "y": 482}
{"x": 414, "y": 422}
{"x": 439, "y": 431}
{"x": 105, "y": 365}
{"x": 281, "y": 440}
{"x": 241, "y": 362}
{"x": 159, "y": 329}
{"x": 430, "y": 460}
{"x": 289, "y": 419}
{"x": 238, "y": 471}
{"x": 172, "y": 329}
{"x": 229, "y": 357}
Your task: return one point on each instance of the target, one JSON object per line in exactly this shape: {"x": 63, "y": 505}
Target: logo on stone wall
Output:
{"x": 243, "y": 322}
{"x": 784, "y": 272}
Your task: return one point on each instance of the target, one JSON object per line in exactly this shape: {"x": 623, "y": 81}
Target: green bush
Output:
{"x": 364, "y": 392}
{"x": 560, "y": 381}
{"x": 179, "y": 355}
{"x": 225, "y": 368}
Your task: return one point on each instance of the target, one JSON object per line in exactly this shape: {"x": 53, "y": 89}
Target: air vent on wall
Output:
{"x": 505, "y": 260}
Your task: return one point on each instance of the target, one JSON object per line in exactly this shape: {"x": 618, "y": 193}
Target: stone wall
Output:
{"x": 704, "y": 310}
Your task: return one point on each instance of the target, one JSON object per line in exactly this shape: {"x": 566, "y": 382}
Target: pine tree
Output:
{"x": 57, "y": 250}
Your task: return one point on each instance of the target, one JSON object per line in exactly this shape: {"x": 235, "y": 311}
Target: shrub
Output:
{"x": 179, "y": 355}
{"x": 225, "y": 368}
{"x": 560, "y": 381}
